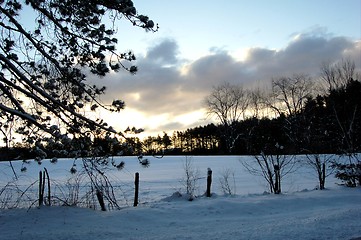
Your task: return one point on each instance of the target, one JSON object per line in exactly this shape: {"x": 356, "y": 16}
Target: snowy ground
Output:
{"x": 296, "y": 214}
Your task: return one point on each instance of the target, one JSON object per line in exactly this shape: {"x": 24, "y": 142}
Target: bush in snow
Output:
{"x": 272, "y": 168}
{"x": 190, "y": 178}
{"x": 349, "y": 173}
{"x": 227, "y": 182}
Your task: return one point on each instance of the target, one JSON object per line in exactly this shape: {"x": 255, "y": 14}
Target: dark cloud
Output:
{"x": 164, "y": 53}
{"x": 211, "y": 70}
{"x": 305, "y": 54}
{"x": 164, "y": 84}
{"x": 168, "y": 127}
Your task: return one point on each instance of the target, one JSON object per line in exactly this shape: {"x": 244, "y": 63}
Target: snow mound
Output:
{"x": 332, "y": 214}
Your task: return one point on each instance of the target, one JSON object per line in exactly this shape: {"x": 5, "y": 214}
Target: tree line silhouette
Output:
{"x": 329, "y": 123}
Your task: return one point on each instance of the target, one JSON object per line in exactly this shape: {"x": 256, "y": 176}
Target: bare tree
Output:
{"x": 287, "y": 98}
{"x": 321, "y": 163}
{"x": 289, "y": 94}
{"x": 339, "y": 74}
{"x": 257, "y": 102}
{"x": 228, "y": 103}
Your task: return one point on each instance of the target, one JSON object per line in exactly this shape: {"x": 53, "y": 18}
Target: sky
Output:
{"x": 201, "y": 44}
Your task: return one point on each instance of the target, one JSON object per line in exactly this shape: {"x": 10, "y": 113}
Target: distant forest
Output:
{"x": 329, "y": 123}
{"x": 326, "y": 124}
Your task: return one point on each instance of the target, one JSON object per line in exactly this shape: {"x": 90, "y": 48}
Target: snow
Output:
{"x": 299, "y": 213}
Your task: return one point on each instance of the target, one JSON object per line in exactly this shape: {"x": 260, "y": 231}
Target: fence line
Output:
{"x": 78, "y": 191}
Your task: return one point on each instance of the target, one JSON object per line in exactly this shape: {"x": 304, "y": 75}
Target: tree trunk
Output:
{"x": 100, "y": 200}
{"x": 323, "y": 177}
{"x": 277, "y": 189}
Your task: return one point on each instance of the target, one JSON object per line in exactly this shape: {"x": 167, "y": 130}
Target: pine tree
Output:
{"x": 43, "y": 81}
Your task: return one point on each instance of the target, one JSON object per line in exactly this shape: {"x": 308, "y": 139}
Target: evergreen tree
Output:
{"x": 43, "y": 81}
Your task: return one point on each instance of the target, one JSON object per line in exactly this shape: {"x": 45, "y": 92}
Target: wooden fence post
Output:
{"x": 41, "y": 193}
{"x": 43, "y": 176}
{"x": 209, "y": 182}
{"x": 136, "y": 191}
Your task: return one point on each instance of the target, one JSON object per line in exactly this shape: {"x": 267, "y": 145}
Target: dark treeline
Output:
{"x": 329, "y": 123}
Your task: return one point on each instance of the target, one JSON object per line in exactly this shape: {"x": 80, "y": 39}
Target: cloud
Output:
{"x": 304, "y": 54}
{"x": 164, "y": 53}
{"x": 211, "y": 70}
{"x": 157, "y": 86}
{"x": 166, "y": 84}
{"x": 171, "y": 126}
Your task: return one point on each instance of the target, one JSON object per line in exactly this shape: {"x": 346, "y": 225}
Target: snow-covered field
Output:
{"x": 299, "y": 213}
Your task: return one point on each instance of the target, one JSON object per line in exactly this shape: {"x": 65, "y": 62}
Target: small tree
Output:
{"x": 349, "y": 172}
{"x": 272, "y": 167}
{"x": 322, "y": 165}
{"x": 228, "y": 182}
{"x": 190, "y": 179}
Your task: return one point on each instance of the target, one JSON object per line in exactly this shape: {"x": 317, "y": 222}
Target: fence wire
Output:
{"x": 73, "y": 192}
